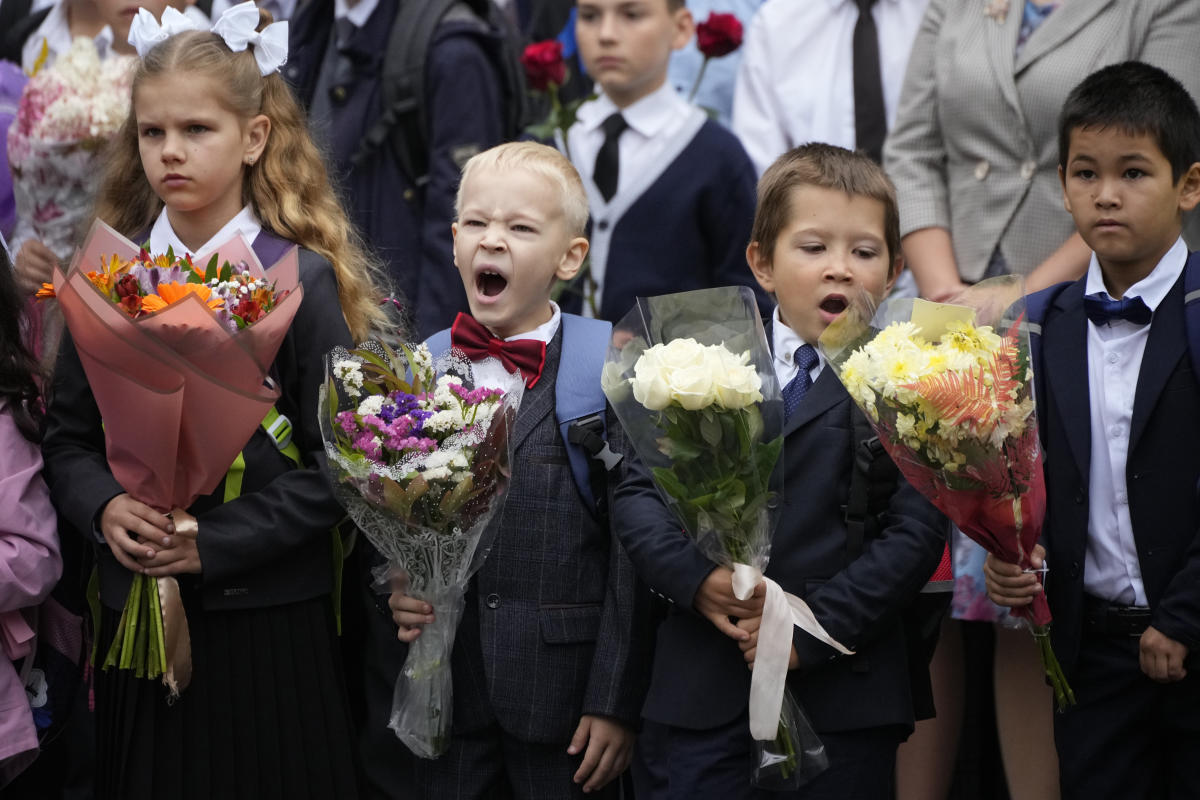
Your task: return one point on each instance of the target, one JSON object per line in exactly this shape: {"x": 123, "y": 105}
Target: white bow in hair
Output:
{"x": 237, "y": 27}
{"x": 145, "y": 31}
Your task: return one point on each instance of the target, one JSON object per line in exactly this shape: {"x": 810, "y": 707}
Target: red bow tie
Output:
{"x": 477, "y": 343}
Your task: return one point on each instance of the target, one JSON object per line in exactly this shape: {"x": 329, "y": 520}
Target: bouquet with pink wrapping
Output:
{"x": 180, "y": 388}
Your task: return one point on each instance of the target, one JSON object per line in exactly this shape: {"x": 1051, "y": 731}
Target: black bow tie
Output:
{"x": 1100, "y": 309}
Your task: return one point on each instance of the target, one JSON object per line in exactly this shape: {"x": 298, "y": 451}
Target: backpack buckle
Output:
{"x": 280, "y": 431}
{"x": 586, "y": 432}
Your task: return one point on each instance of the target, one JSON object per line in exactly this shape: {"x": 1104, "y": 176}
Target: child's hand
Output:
{"x": 409, "y": 613}
{"x": 750, "y": 626}
{"x": 609, "y": 747}
{"x": 1009, "y": 585}
{"x": 1161, "y": 657}
{"x": 715, "y": 601}
{"x": 34, "y": 265}
{"x": 134, "y": 530}
{"x": 180, "y": 553}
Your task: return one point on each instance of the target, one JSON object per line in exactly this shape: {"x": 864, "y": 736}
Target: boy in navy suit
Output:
{"x": 550, "y": 662}
{"x": 1118, "y": 401}
{"x": 671, "y": 191}
{"x": 826, "y": 228}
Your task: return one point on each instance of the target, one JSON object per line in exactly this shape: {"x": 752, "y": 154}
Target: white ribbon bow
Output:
{"x": 145, "y": 31}
{"x": 237, "y": 27}
{"x": 781, "y": 611}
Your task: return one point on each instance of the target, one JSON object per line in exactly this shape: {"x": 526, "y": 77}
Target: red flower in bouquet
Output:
{"x": 719, "y": 35}
{"x": 544, "y": 65}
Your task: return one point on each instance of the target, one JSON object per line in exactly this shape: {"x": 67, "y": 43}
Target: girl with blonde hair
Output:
{"x": 215, "y": 146}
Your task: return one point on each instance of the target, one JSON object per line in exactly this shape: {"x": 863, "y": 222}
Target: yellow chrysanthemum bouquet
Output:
{"x": 949, "y": 390}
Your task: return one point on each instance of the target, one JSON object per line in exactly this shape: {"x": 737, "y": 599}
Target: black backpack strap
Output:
{"x": 403, "y": 123}
{"x": 589, "y": 435}
{"x": 872, "y": 481}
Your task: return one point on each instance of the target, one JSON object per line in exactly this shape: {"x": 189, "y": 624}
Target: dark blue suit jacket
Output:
{"x": 1162, "y": 470}
{"x": 700, "y": 679}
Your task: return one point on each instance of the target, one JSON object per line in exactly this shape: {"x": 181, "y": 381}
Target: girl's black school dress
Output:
{"x": 266, "y": 714}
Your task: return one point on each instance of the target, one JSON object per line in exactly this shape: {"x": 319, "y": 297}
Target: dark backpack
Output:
{"x": 403, "y": 125}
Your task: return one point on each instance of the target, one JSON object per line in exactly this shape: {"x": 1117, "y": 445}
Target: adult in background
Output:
{"x": 974, "y": 155}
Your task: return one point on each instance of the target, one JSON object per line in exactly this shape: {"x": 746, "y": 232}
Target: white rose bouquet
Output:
{"x": 691, "y": 379}
{"x": 421, "y": 461}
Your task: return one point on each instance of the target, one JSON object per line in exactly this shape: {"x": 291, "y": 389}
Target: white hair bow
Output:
{"x": 237, "y": 27}
{"x": 145, "y": 32}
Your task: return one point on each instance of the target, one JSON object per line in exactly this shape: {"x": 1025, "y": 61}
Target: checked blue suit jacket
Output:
{"x": 700, "y": 679}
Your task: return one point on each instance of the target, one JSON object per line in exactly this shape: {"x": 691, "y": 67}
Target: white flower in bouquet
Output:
{"x": 694, "y": 376}
{"x": 349, "y": 372}
{"x": 372, "y": 405}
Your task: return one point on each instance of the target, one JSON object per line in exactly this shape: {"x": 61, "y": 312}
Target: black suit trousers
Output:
{"x": 1128, "y": 737}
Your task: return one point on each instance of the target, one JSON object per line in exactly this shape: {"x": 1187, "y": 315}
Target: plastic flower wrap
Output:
{"x": 180, "y": 392}
{"x": 949, "y": 390}
{"x": 66, "y": 115}
{"x": 420, "y": 457}
{"x": 691, "y": 379}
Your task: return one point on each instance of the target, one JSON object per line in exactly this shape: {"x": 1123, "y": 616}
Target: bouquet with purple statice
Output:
{"x": 420, "y": 457}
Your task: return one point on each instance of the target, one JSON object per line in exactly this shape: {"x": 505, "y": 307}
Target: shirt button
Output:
{"x": 602, "y": 224}
{"x": 1113, "y": 358}
{"x": 1115, "y": 431}
{"x": 1028, "y": 169}
{"x": 492, "y": 601}
{"x": 1122, "y": 498}
{"x": 981, "y": 169}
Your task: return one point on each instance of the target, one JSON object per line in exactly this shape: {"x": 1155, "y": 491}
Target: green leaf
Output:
{"x": 210, "y": 272}
{"x": 226, "y": 271}
{"x": 665, "y": 477}
{"x": 711, "y": 429}
{"x": 454, "y": 499}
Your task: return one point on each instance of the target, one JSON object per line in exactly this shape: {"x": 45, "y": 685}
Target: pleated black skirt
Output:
{"x": 265, "y": 716}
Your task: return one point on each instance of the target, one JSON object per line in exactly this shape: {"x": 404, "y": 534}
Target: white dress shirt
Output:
{"x": 491, "y": 372}
{"x": 162, "y": 235}
{"x": 784, "y": 342}
{"x": 652, "y": 122}
{"x": 358, "y": 14}
{"x": 796, "y": 81}
{"x": 1111, "y": 567}
{"x": 55, "y": 31}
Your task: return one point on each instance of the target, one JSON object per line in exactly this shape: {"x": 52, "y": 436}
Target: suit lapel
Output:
{"x": 1165, "y": 346}
{"x": 1062, "y": 24}
{"x": 1064, "y": 354}
{"x": 539, "y": 401}
{"x": 821, "y": 396}
{"x": 1000, "y": 41}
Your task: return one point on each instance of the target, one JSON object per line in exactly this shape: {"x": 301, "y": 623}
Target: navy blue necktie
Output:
{"x": 1100, "y": 309}
{"x": 804, "y": 359}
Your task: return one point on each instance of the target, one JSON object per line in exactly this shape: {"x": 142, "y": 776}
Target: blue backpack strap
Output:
{"x": 579, "y": 405}
{"x": 439, "y": 343}
{"x": 1191, "y": 309}
{"x": 269, "y": 248}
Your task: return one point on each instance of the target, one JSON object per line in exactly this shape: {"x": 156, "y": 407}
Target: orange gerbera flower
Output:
{"x": 169, "y": 293}
{"x": 46, "y": 292}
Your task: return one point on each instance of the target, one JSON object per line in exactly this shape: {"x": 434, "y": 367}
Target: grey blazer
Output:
{"x": 975, "y": 145}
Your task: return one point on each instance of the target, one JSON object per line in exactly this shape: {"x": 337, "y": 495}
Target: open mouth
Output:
{"x": 834, "y": 304}
{"x": 490, "y": 284}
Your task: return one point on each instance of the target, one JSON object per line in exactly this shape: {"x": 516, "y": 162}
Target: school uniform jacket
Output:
{"x": 683, "y": 225}
{"x": 272, "y": 544}
{"x": 700, "y": 678}
{"x": 1162, "y": 471}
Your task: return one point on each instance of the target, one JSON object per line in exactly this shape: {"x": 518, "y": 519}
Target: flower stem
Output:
{"x": 699, "y": 77}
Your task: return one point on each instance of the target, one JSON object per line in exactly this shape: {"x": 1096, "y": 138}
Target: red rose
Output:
{"x": 543, "y": 62}
{"x": 719, "y": 35}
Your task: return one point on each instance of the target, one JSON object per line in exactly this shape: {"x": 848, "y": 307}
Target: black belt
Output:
{"x": 1110, "y": 619}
